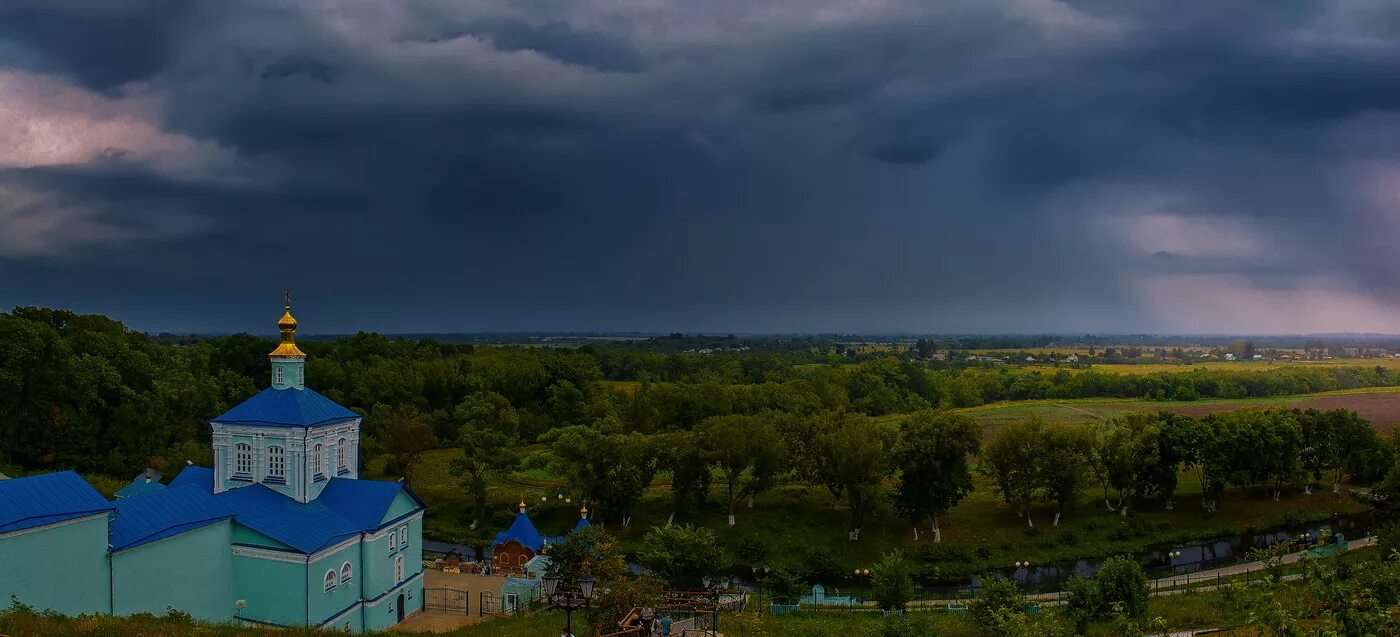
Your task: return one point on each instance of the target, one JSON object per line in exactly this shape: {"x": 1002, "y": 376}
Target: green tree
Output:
{"x": 892, "y": 584}
{"x": 746, "y": 450}
{"x": 1014, "y": 456}
{"x": 995, "y": 601}
{"x": 681, "y": 555}
{"x": 1122, "y": 582}
{"x": 855, "y": 461}
{"x": 589, "y": 550}
{"x": 931, "y": 459}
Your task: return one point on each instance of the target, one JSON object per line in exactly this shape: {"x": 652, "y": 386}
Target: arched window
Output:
{"x": 393, "y": 544}
{"x": 346, "y": 573}
{"x": 318, "y": 462}
{"x": 340, "y": 454}
{"x": 398, "y": 569}
{"x": 276, "y": 462}
{"x": 403, "y": 537}
{"x": 330, "y": 580}
{"x": 243, "y": 459}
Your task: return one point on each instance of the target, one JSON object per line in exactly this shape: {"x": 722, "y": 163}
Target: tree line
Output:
{"x": 85, "y": 392}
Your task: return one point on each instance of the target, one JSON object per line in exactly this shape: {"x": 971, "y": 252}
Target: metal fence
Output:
{"x": 446, "y": 600}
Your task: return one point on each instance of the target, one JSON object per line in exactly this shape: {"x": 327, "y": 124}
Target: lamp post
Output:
{"x": 760, "y": 579}
{"x": 570, "y": 598}
{"x": 718, "y": 586}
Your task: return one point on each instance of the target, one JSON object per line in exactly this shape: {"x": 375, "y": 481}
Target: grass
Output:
{"x": 796, "y": 520}
{"x": 1094, "y": 409}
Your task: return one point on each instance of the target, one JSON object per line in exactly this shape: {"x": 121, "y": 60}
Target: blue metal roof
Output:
{"x": 344, "y": 508}
{"x": 202, "y": 477}
{"x": 287, "y": 408}
{"x": 138, "y": 487}
{"x": 306, "y": 527}
{"x": 154, "y": 516}
{"x": 522, "y": 530}
{"x": 362, "y": 502}
{"x": 45, "y": 499}
{"x": 583, "y": 523}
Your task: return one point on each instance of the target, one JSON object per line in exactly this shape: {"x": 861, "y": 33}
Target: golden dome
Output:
{"x": 288, "y": 325}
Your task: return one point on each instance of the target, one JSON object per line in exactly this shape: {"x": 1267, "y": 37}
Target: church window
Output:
{"x": 398, "y": 569}
{"x": 393, "y": 545}
{"x": 318, "y": 462}
{"x": 330, "y": 580}
{"x": 242, "y": 459}
{"x": 346, "y": 573}
{"x": 403, "y": 537}
{"x": 276, "y": 462}
{"x": 278, "y": 373}
{"x": 340, "y": 453}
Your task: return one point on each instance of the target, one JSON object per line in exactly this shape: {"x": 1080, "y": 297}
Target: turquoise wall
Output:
{"x": 293, "y": 373}
{"x": 62, "y": 568}
{"x": 275, "y": 590}
{"x": 382, "y": 613}
{"x": 379, "y": 560}
{"x": 192, "y": 572}
{"x": 326, "y": 605}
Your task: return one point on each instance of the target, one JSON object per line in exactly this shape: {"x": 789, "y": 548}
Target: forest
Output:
{"x": 85, "y": 392}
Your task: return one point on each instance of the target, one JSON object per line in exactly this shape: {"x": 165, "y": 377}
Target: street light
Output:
{"x": 569, "y": 598}
{"x": 714, "y": 596}
{"x": 760, "y": 579}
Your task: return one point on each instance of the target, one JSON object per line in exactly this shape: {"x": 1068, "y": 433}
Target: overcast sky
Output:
{"x": 726, "y": 165}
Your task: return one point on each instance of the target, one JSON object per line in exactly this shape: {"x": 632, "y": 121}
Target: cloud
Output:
{"x": 737, "y": 165}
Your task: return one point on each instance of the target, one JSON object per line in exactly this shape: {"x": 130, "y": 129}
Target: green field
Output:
{"x": 794, "y": 521}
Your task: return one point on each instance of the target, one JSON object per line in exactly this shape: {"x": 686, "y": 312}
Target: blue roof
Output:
{"x": 362, "y": 502}
{"x": 583, "y": 523}
{"x": 306, "y": 527}
{"x": 45, "y": 499}
{"x": 287, "y": 408}
{"x": 202, "y": 477}
{"x": 344, "y": 508}
{"x": 138, "y": 487}
{"x": 522, "y": 530}
{"x": 154, "y": 516}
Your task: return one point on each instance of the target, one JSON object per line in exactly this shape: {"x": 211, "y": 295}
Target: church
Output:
{"x": 279, "y": 532}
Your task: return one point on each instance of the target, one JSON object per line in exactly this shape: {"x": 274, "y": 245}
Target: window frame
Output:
{"x": 340, "y": 454}
{"x": 347, "y": 573}
{"x": 242, "y": 459}
{"x": 393, "y": 542}
{"x": 398, "y": 569}
{"x": 330, "y": 581}
{"x": 318, "y": 462}
{"x": 403, "y": 537}
{"x": 279, "y": 375}
{"x": 277, "y": 462}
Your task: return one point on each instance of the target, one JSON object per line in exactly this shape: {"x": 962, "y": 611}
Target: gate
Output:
{"x": 489, "y": 605}
{"x": 446, "y": 600}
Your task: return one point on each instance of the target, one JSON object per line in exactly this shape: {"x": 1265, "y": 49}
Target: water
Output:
{"x": 1158, "y": 562}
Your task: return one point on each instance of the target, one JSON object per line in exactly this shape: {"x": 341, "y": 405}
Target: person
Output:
{"x": 666, "y": 626}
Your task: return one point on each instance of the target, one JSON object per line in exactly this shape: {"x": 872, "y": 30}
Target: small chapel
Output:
{"x": 281, "y": 531}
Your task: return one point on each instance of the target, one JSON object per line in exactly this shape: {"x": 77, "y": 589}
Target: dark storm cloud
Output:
{"x": 1016, "y": 165}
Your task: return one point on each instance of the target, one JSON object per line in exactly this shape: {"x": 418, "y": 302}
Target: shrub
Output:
{"x": 997, "y": 598}
{"x": 1083, "y": 602}
{"x": 818, "y": 567}
{"x": 1122, "y": 581}
{"x": 1067, "y": 538}
{"x": 892, "y": 584}
{"x": 784, "y": 586}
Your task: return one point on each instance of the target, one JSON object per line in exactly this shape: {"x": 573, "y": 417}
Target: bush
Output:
{"x": 681, "y": 555}
{"x": 1083, "y": 602}
{"x": 784, "y": 587}
{"x": 1122, "y": 581}
{"x": 1067, "y": 538}
{"x": 819, "y": 567}
{"x": 892, "y": 584}
{"x": 997, "y": 598}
